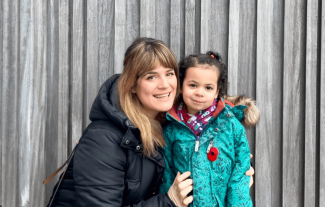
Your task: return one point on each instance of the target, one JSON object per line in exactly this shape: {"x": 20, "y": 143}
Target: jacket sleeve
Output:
{"x": 99, "y": 170}
{"x": 238, "y": 185}
{"x": 169, "y": 174}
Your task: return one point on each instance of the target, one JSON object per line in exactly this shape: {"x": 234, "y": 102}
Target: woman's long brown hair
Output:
{"x": 144, "y": 55}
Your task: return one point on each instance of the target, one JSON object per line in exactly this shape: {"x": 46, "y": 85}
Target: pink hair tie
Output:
{"x": 212, "y": 56}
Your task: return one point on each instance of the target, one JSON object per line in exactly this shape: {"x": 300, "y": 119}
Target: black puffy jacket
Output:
{"x": 108, "y": 168}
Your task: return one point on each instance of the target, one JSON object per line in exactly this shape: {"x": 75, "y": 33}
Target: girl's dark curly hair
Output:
{"x": 210, "y": 58}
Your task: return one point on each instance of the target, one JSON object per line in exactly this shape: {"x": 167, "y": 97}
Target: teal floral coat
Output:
{"x": 219, "y": 183}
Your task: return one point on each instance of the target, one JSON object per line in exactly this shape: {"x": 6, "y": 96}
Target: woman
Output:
{"x": 118, "y": 161}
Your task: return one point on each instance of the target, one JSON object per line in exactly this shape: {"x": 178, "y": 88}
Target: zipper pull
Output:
{"x": 210, "y": 146}
{"x": 197, "y": 146}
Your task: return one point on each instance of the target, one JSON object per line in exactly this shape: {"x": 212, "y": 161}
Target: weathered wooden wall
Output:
{"x": 55, "y": 54}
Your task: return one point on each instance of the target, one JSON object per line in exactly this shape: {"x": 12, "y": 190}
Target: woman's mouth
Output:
{"x": 162, "y": 95}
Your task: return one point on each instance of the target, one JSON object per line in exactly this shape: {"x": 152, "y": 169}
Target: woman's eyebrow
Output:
{"x": 153, "y": 72}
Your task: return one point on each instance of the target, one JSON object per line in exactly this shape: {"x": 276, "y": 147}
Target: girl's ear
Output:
{"x": 217, "y": 93}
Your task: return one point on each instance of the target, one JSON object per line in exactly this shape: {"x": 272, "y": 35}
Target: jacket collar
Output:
{"x": 220, "y": 106}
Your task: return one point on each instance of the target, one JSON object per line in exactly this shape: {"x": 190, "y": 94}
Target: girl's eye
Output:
{"x": 209, "y": 88}
{"x": 192, "y": 85}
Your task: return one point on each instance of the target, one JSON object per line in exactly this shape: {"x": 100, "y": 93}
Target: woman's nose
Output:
{"x": 163, "y": 83}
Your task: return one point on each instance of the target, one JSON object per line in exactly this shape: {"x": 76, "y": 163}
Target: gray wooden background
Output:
{"x": 55, "y": 54}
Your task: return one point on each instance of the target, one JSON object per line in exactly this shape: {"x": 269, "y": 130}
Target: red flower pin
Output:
{"x": 213, "y": 154}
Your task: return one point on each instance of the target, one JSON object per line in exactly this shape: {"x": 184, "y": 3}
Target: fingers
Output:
{"x": 186, "y": 191}
{"x": 188, "y": 200}
{"x": 250, "y": 172}
{"x": 183, "y": 176}
{"x": 251, "y": 156}
{"x": 251, "y": 182}
{"x": 185, "y": 184}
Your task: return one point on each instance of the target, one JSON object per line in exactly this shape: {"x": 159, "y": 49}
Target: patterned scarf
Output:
{"x": 198, "y": 121}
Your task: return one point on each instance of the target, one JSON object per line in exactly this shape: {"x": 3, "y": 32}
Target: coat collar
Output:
{"x": 220, "y": 106}
{"x": 131, "y": 141}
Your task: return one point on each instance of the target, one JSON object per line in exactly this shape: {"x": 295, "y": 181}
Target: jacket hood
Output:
{"x": 106, "y": 106}
{"x": 251, "y": 112}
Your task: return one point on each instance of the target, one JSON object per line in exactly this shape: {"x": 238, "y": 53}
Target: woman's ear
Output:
{"x": 133, "y": 90}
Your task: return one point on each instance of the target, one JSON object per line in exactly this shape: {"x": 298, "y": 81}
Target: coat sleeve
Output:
{"x": 99, "y": 170}
{"x": 238, "y": 185}
{"x": 169, "y": 174}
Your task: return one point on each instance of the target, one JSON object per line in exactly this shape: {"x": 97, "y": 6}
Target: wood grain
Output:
{"x": 77, "y": 83}
{"x": 163, "y": 21}
{"x": 322, "y": 112}
{"x": 205, "y": 26}
{"x": 311, "y": 103}
{"x": 294, "y": 102}
{"x": 175, "y": 28}
{"x": 147, "y": 18}
{"x": 92, "y": 75}
{"x": 269, "y": 86}
{"x": 189, "y": 27}
{"x": 106, "y": 39}
{"x": 10, "y": 140}
{"x": 120, "y": 30}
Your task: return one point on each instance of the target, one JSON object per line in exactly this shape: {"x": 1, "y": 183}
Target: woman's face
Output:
{"x": 156, "y": 90}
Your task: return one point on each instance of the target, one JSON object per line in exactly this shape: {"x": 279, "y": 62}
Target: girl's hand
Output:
{"x": 250, "y": 173}
{"x": 180, "y": 188}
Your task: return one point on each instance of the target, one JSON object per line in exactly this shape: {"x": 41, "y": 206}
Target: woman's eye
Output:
{"x": 170, "y": 74}
{"x": 151, "y": 77}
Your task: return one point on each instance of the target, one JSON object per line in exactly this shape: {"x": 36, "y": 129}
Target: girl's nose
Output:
{"x": 199, "y": 92}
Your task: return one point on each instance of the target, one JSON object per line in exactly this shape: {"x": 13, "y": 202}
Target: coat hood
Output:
{"x": 251, "y": 112}
{"x": 106, "y": 106}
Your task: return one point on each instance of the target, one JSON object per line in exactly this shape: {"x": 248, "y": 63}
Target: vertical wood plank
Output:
{"x": 49, "y": 10}
{"x": 205, "y": 26}
{"x": 233, "y": 46}
{"x": 246, "y": 83}
{"x": 219, "y": 27}
{"x": 189, "y": 27}
{"x": 132, "y": 21}
{"x": 147, "y": 18}
{"x": 76, "y": 98}
{"x": 41, "y": 49}
{"x": 119, "y": 49}
{"x": 322, "y": 113}
{"x": 24, "y": 102}
{"x": 92, "y": 75}
{"x": 175, "y": 28}
{"x": 269, "y": 76}
{"x": 10, "y": 142}
{"x": 106, "y": 39}
{"x": 311, "y": 103}
{"x": 182, "y": 28}
{"x": 162, "y": 21}
{"x": 1, "y": 97}
{"x": 63, "y": 86}
{"x": 294, "y": 102}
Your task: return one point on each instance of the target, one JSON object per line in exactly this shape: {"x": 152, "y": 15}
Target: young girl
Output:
{"x": 204, "y": 135}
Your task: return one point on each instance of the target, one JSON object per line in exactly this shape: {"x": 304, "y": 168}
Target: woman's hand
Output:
{"x": 250, "y": 173}
{"x": 180, "y": 188}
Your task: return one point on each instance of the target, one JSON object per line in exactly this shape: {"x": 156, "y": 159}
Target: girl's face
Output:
{"x": 200, "y": 87}
{"x": 156, "y": 90}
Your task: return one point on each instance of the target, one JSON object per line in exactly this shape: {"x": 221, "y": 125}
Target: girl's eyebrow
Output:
{"x": 209, "y": 84}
